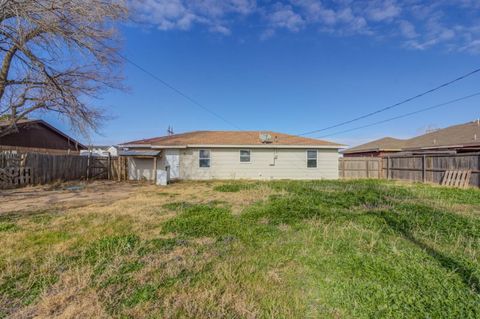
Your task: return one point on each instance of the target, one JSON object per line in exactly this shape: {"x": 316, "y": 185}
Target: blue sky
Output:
{"x": 293, "y": 66}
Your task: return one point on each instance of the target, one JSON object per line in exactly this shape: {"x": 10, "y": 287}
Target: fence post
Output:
{"x": 380, "y": 168}
{"x": 368, "y": 168}
{"x": 388, "y": 167}
{"x": 119, "y": 168}
{"x": 88, "y": 165}
{"x": 424, "y": 169}
{"x": 109, "y": 166}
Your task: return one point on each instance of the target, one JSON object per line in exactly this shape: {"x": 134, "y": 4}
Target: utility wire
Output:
{"x": 141, "y": 68}
{"x": 394, "y": 105}
{"x": 404, "y": 115}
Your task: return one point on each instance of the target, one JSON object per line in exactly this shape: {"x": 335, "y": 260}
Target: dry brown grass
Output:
{"x": 71, "y": 297}
{"x": 52, "y": 220}
{"x": 111, "y": 255}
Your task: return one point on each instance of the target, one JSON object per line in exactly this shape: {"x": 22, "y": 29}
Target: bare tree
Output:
{"x": 57, "y": 56}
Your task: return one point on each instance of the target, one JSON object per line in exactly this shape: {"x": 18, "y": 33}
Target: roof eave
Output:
{"x": 334, "y": 146}
{"x": 442, "y": 146}
{"x": 271, "y": 145}
{"x": 372, "y": 150}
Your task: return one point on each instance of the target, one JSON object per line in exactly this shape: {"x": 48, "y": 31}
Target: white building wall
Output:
{"x": 171, "y": 158}
{"x": 264, "y": 164}
{"x": 140, "y": 169}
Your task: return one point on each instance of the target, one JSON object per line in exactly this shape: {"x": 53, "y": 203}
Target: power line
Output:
{"x": 152, "y": 75}
{"x": 404, "y": 115}
{"x": 394, "y": 105}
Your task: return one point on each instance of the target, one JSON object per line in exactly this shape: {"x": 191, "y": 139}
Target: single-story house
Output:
{"x": 460, "y": 138}
{"x": 203, "y": 155}
{"x": 39, "y": 136}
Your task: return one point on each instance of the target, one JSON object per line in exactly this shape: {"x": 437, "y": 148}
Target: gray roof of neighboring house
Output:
{"x": 383, "y": 144}
{"x": 462, "y": 135}
{"x": 456, "y": 136}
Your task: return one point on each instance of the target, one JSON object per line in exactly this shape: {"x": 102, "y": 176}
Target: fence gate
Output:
{"x": 13, "y": 173}
{"x": 98, "y": 167}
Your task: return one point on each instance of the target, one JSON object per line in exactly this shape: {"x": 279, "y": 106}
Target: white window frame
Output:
{"x": 249, "y": 156}
{"x": 311, "y": 159}
{"x": 209, "y": 158}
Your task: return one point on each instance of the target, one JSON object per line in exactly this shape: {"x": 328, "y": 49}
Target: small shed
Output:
{"x": 142, "y": 164}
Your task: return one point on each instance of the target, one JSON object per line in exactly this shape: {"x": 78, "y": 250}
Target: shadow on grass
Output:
{"x": 401, "y": 228}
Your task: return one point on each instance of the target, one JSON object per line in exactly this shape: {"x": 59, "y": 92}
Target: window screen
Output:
{"x": 311, "y": 158}
{"x": 244, "y": 156}
{"x": 204, "y": 158}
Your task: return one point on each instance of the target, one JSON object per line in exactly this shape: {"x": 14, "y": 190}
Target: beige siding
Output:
{"x": 288, "y": 164}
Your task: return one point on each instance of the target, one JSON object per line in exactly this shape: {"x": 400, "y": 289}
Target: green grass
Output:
{"x": 235, "y": 187}
{"x": 203, "y": 221}
{"x": 8, "y": 227}
{"x": 316, "y": 249}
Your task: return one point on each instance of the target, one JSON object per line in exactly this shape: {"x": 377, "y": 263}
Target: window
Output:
{"x": 311, "y": 158}
{"x": 204, "y": 158}
{"x": 244, "y": 156}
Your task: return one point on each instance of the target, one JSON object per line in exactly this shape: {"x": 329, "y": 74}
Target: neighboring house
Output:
{"x": 377, "y": 148}
{"x": 39, "y": 136}
{"x": 100, "y": 151}
{"x": 202, "y": 155}
{"x": 460, "y": 138}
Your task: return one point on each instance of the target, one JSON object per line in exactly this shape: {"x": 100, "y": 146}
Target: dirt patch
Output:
{"x": 68, "y": 195}
{"x": 81, "y": 194}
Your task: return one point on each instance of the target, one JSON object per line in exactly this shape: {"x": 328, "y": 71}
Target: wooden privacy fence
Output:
{"x": 429, "y": 168}
{"x": 46, "y": 168}
{"x": 119, "y": 168}
{"x": 360, "y": 167}
{"x": 36, "y": 168}
{"x": 432, "y": 168}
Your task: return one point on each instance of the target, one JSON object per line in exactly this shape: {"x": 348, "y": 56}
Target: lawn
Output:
{"x": 280, "y": 249}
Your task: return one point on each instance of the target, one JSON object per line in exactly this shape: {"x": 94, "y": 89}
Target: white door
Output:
{"x": 172, "y": 159}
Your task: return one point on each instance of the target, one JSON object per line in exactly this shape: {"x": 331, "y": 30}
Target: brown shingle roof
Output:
{"x": 467, "y": 134}
{"x": 383, "y": 144}
{"x": 462, "y": 135}
{"x": 231, "y": 138}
